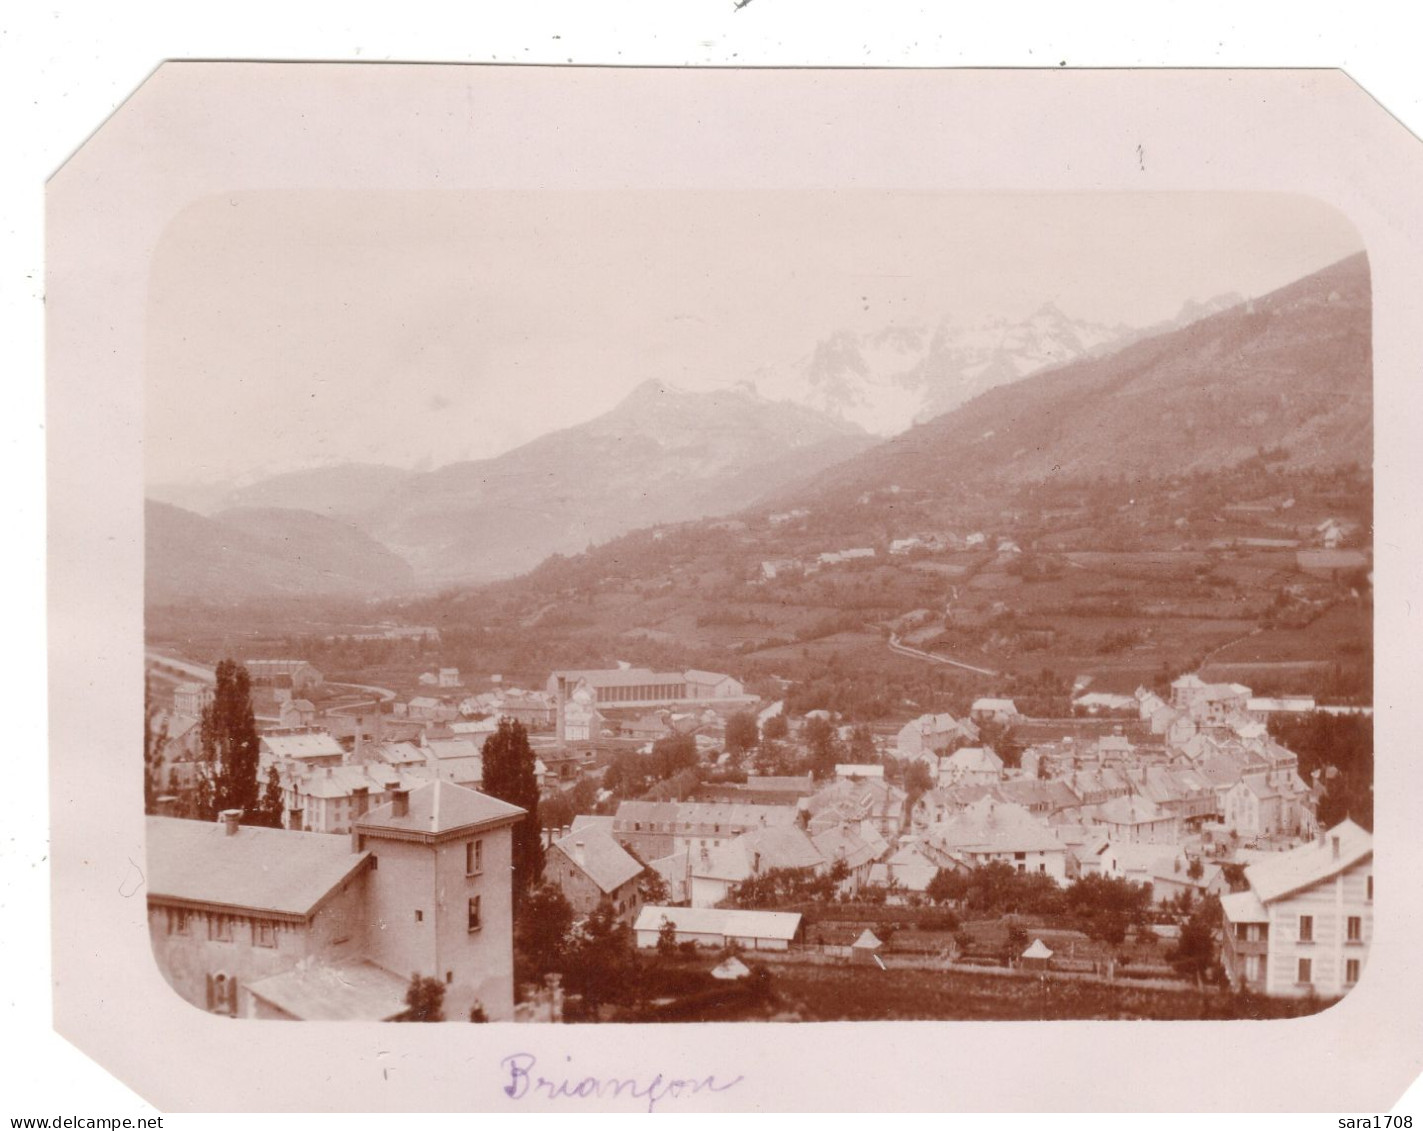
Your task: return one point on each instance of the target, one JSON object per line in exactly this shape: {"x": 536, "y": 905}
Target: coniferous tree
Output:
{"x": 269, "y": 812}
{"x": 228, "y": 777}
{"x": 509, "y": 776}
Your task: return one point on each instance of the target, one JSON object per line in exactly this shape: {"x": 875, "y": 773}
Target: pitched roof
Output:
{"x": 342, "y": 781}
{"x": 400, "y": 753}
{"x": 592, "y": 821}
{"x": 602, "y": 859}
{"x": 975, "y": 758}
{"x": 785, "y": 846}
{"x": 730, "y": 969}
{"x": 255, "y": 869}
{"x": 460, "y": 747}
{"x": 988, "y": 826}
{"x": 731, "y": 922}
{"x": 353, "y": 991}
{"x": 693, "y": 675}
{"x": 440, "y": 807}
{"x": 1060, "y": 795}
{"x": 1038, "y": 949}
{"x": 621, "y": 677}
{"x": 729, "y": 816}
{"x": 315, "y": 745}
{"x": 1130, "y": 810}
{"x": 848, "y": 844}
{"x": 1243, "y": 907}
{"x": 1340, "y": 848}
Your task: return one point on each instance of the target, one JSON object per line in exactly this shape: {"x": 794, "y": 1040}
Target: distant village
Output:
{"x": 912, "y": 849}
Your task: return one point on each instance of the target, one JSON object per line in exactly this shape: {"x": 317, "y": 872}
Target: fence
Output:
{"x": 1065, "y": 969}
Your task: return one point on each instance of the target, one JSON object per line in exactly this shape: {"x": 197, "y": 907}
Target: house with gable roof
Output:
{"x": 928, "y": 736}
{"x": 1305, "y": 923}
{"x": 1134, "y": 819}
{"x": 589, "y": 866}
{"x": 992, "y": 710}
{"x": 990, "y": 831}
{"x": 971, "y": 765}
{"x": 715, "y": 871}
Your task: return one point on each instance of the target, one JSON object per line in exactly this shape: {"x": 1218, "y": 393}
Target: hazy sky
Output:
{"x": 297, "y": 328}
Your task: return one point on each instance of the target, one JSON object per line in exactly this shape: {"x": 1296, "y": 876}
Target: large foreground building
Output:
{"x": 1305, "y": 924}
{"x": 276, "y": 923}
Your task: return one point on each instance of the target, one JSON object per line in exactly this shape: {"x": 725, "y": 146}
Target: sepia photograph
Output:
{"x": 595, "y": 600}
{"x": 755, "y": 606}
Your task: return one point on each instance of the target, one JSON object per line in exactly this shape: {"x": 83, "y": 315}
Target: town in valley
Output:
{"x": 1050, "y": 698}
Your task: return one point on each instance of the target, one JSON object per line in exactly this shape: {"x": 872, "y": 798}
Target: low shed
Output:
{"x": 717, "y": 926}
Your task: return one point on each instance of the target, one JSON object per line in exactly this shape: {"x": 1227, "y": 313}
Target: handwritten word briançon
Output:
{"x": 524, "y": 1082}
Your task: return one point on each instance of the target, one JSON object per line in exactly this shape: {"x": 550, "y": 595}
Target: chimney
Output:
{"x": 358, "y": 755}
{"x": 1335, "y": 842}
{"x": 231, "y": 819}
{"x": 400, "y": 799}
{"x": 578, "y": 855}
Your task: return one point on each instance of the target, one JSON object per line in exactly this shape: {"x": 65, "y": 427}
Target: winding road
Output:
{"x": 929, "y": 657}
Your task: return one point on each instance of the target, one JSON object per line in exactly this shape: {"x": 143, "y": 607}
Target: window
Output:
{"x": 474, "y": 923}
{"x": 220, "y": 928}
{"x": 419, "y": 916}
{"x": 222, "y": 994}
{"x": 264, "y": 933}
{"x": 1371, "y": 888}
{"x": 1305, "y": 972}
{"x": 1351, "y": 971}
{"x": 474, "y": 857}
{"x": 179, "y": 922}
{"x": 1356, "y": 929}
{"x": 1306, "y": 932}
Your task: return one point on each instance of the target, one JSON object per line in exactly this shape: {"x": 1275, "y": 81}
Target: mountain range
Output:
{"x": 1001, "y": 404}
{"x": 1290, "y": 373}
{"x": 261, "y": 552}
{"x": 898, "y": 375}
{"x": 661, "y": 455}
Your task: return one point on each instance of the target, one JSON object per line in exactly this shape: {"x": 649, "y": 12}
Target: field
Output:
{"x": 806, "y": 992}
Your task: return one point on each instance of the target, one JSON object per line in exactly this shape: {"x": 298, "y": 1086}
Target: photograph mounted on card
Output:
{"x": 709, "y": 548}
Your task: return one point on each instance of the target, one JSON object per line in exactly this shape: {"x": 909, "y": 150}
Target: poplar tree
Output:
{"x": 509, "y": 775}
{"x": 228, "y": 776}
